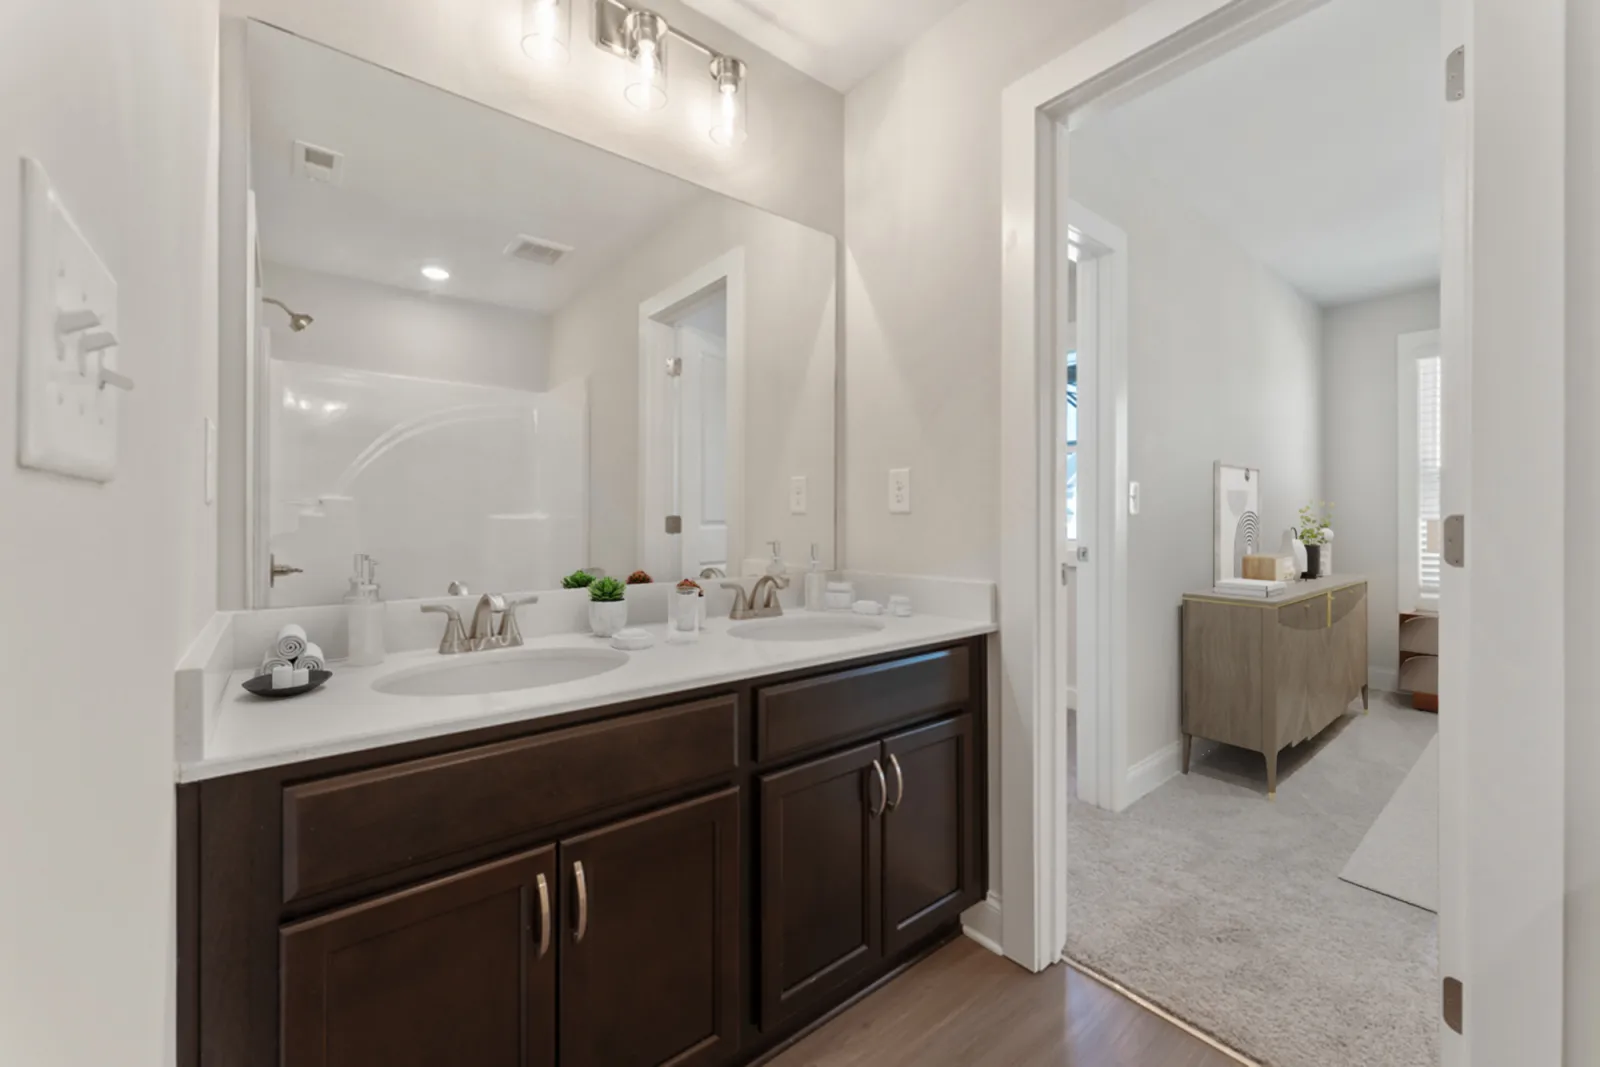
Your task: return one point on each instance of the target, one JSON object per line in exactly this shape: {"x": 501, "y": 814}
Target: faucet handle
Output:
{"x": 740, "y": 597}
{"x": 455, "y": 634}
{"x": 510, "y": 632}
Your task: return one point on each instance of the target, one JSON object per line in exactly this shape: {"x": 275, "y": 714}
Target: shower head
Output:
{"x": 297, "y": 321}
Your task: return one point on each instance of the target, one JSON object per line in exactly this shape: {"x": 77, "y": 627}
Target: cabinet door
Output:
{"x": 457, "y": 970}
{"x": 821, "y": 912}
{"x": 930, "y": 830}
{"x": 650, "y": 939}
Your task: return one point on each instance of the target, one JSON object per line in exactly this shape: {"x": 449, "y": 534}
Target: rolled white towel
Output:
{"x": 312, "y": 658}
{"x": 291, "y": 641}
{"x": 269, "y": 661}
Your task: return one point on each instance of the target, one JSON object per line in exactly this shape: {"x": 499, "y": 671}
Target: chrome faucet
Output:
{"x": 483, "y": 635}
{"x": 757, "y": 605}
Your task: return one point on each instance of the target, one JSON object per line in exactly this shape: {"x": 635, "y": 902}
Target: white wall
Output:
{"x": 1224, "y": 362}
{"x": 1360, "y": 450}
{"x": 115, "y": 98}
{"x": 372, "y": 327}
{"x": 1583, "y": 519}
{"x": 790, "y": 343}
{"x": 792, "y": 163}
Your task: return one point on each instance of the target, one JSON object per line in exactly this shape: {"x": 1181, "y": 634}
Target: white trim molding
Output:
{"x": 1152, "y": 772}
{"x": 982, "y": 923}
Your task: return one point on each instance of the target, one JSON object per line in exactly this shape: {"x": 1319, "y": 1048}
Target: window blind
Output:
{"x": 1429, "y": 466}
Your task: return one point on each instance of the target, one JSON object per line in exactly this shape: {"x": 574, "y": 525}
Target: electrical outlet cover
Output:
{"x": 797, "y": 495}
{"x": 900, "y": 491}
{"x": 67, "y": 419}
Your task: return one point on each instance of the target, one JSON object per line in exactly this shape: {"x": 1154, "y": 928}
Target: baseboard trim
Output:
{"x": 1152, "y": 772}
{"x": 981, "y": 922}
{"x": 1383, "y": 678}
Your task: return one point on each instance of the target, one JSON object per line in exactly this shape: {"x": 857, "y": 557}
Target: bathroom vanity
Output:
{"x": 691, "y": 877}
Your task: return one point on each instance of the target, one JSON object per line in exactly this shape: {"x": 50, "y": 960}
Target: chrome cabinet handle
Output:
{"x": 544, "y": 916}
{"x": 899, "y": 783}
{"x": 883, "y": 789}
{"x": 583, "y": 902}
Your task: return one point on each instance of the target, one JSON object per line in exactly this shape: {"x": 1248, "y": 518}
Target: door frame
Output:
{"x": 1099, "y": 693}
{"x": 1502, "y": 887}
{"x": 658, "y": 339}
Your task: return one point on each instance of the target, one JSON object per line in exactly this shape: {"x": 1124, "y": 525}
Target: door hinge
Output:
{"x": 1083, "y": 553}
{"x": 1455, "y": 540}
{"x": 1065, "y": 567}
{"x": 675, "y": 367}
{"x": 1454, "y": 995}
{"x": 674, "y": 524}
{"x": 1455, "y": 75}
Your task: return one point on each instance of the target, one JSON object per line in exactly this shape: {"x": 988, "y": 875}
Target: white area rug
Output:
{"x": 1399, "y": 857}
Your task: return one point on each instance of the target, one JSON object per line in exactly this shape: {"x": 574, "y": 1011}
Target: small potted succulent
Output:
{"x": 1314, "y": 531}
{"x": 577, "y": 580}
{"x": 608, "y": 611}
{"x": 639, "y": 578}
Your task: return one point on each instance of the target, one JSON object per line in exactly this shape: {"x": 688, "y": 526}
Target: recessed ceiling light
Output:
{"x": 435, "y": 274}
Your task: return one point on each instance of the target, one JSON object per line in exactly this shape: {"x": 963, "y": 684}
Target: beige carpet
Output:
{"x": 1227, "y": 909}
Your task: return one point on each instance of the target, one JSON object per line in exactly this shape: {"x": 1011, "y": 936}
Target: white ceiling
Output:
{"x": 434, "y": 178}
{"x": 837, "y": 42}
{"x": 1316, "y": 147}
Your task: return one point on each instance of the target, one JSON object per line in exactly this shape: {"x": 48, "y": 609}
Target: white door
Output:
{"x": 703, "y": 457}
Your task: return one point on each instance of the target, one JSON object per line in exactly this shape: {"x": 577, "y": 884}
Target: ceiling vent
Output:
{"x": 318, "y": 164}
{"x": 537, "y": 250}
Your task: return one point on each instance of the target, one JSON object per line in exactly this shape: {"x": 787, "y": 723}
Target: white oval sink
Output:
{"x": 475, "y": 673}
{"x": 807, "y": 628}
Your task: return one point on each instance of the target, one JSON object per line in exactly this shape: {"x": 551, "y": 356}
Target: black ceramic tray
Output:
{"x": 261, "y": 685}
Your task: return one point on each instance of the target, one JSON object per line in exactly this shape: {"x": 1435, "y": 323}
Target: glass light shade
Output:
{"x": 547, "y": 29}
{"x": 732, "y": 103}
{"x": 645, "y": 33}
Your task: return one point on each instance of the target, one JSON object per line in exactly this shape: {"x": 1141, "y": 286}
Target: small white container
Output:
{"x": 840, "y": 596}
{"x": 364, "y": 615}
{"x": 606, "y": 617}
{"x": 632, "y": 640}
{"x": 687, "y": 606}
{"x": 867, "y": 607}
{"x": 900, "y": 606}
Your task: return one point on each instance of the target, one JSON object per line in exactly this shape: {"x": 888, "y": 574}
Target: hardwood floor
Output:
{"x": 965, "y": 1006}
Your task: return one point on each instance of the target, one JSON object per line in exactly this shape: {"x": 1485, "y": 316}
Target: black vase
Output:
{"x": 1313, "y": 561}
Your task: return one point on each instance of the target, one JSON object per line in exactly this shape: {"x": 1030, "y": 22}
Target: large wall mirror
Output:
{"x": 485, "y": 353}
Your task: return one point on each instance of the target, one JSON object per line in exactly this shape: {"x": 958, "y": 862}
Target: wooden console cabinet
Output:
{"x": 1265, "y": 674}
{"x": 693, "y": 880}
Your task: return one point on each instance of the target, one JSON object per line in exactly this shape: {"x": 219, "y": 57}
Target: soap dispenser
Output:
{"x": 816, "y": 583}
{"x": 364, "y": 610}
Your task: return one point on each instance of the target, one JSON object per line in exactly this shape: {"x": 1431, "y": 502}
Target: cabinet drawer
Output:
{"x": 809, "y": 714}
{"x": 342, "y": 830}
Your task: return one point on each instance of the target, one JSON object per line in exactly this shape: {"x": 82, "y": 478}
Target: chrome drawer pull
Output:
{"x": 544, "y": 916}
{"x": 899, "y": 782}
{"x": 583, "y": 902}
{"x": 883, "y": 789}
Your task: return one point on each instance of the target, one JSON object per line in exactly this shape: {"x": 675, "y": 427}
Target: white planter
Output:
{"x": 607, "y": 617}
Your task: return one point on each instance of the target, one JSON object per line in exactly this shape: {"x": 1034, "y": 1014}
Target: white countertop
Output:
{"x": 348, "y": 715}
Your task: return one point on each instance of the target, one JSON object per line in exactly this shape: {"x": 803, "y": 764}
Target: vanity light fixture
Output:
{"x": 644, "y": 34}
{"x": 546, "y": 29}
{"x": 640, "y": 37}
{"x": 435, "y": 273}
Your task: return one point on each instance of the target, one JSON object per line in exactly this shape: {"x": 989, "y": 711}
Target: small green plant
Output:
{"x": 577, "y": 580}
{"x": 606, "y": 590}
{"x": 1315, "y": 525}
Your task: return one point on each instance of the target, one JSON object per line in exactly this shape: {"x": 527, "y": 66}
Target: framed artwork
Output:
{"x": 1236, "y": 521}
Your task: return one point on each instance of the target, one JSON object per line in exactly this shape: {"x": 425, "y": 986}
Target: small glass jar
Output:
{"x": 686, "y": 614}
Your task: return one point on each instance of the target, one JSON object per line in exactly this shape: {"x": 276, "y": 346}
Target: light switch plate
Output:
{"x": 67, "y": 415}
{"x": 900, "y": 491}
{"x": 797, "y": 495}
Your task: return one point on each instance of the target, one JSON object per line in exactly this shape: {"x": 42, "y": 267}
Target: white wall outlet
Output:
{"x": 797, "y": 495}
{"x": 69, "y": 386}
{"x": 1133, "y": 498}
{"x": 900, "y": 491}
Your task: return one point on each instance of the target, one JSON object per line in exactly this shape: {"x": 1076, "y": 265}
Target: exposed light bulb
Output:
{"x": 435, "y": 273}
{"x": 645, "y": 33}
{"x": 546, "y": 29}
{"x": 728, "y": 124}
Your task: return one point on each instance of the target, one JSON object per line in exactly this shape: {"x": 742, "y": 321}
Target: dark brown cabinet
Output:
{"x": 864, "y": 853}
{"x": 686, "y": 881}
{"x": 457, "y": 970}
{"x": 930, "y": 852}
{"x": 821, "y": 916}
{"x": 650, "y": 943}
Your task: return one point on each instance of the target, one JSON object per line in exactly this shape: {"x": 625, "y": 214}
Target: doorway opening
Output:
{"x": 691, "y": 361}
